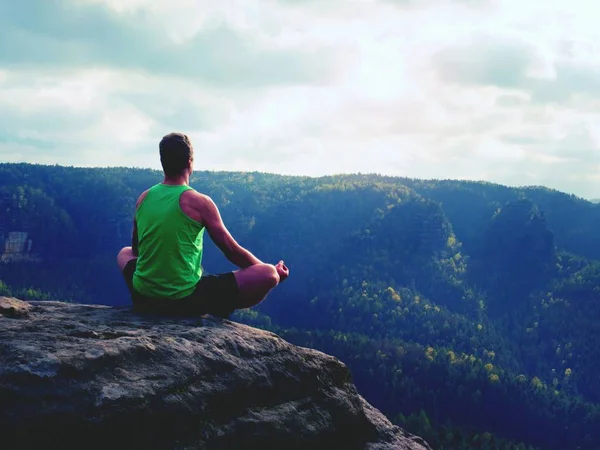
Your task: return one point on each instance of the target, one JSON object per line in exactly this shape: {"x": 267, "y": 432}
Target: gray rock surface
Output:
{"x": 95, "y": 377}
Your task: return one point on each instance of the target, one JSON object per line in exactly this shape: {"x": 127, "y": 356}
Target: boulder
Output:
{"x": 95, "y": 377}
{"x": 12, "y": 307}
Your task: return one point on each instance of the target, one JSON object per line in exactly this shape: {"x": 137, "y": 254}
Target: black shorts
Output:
{"x": 216, "y": 295}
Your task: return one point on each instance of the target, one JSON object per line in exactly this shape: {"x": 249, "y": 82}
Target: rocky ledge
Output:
{"x": 94, "y": 377}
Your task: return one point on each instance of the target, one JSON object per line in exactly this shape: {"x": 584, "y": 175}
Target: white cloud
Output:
{"x": 506, "y": 91}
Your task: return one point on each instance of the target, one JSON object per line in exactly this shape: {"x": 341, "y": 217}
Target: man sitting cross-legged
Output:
{"x": 163, "y": 269}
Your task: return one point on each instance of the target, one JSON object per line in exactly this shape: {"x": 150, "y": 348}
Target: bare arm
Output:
{"x": 211, "y": 219}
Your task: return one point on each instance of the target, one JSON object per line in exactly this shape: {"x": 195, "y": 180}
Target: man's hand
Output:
{"x": 282, "y": 271}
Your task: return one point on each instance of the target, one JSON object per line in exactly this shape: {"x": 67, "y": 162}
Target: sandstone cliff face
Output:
{"x": 94, "y": 377}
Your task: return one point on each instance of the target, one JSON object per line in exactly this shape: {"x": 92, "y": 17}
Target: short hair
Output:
{"x": 175, "y": 153}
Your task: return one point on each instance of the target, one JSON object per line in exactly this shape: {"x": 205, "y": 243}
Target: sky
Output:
{"x": 506, "y": 91}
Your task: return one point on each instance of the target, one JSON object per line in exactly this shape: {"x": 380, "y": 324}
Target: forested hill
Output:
{"x": 468, "y": 312}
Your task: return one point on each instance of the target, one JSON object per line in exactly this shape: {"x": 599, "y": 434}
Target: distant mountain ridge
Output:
{"x": 462, "y": 299}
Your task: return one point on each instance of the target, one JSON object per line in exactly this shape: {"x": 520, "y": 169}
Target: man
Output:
{"x": 163, "y": 268}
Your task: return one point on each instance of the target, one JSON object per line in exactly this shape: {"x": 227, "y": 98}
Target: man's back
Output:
{"x": 169, "y": 245}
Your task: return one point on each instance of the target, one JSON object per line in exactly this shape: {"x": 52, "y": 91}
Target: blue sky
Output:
{"x": 506, "y": 91}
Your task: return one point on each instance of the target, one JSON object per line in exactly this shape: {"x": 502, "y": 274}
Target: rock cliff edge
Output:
{"x": 94, "y": 377}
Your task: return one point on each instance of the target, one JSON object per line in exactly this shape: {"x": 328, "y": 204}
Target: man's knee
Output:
{"x": 124, "y": 256}
{"x": 257, "y": 279}
{"x": 270, "y": 275}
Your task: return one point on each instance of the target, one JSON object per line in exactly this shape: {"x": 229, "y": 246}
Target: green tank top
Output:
{"x": 169, "y": 245}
